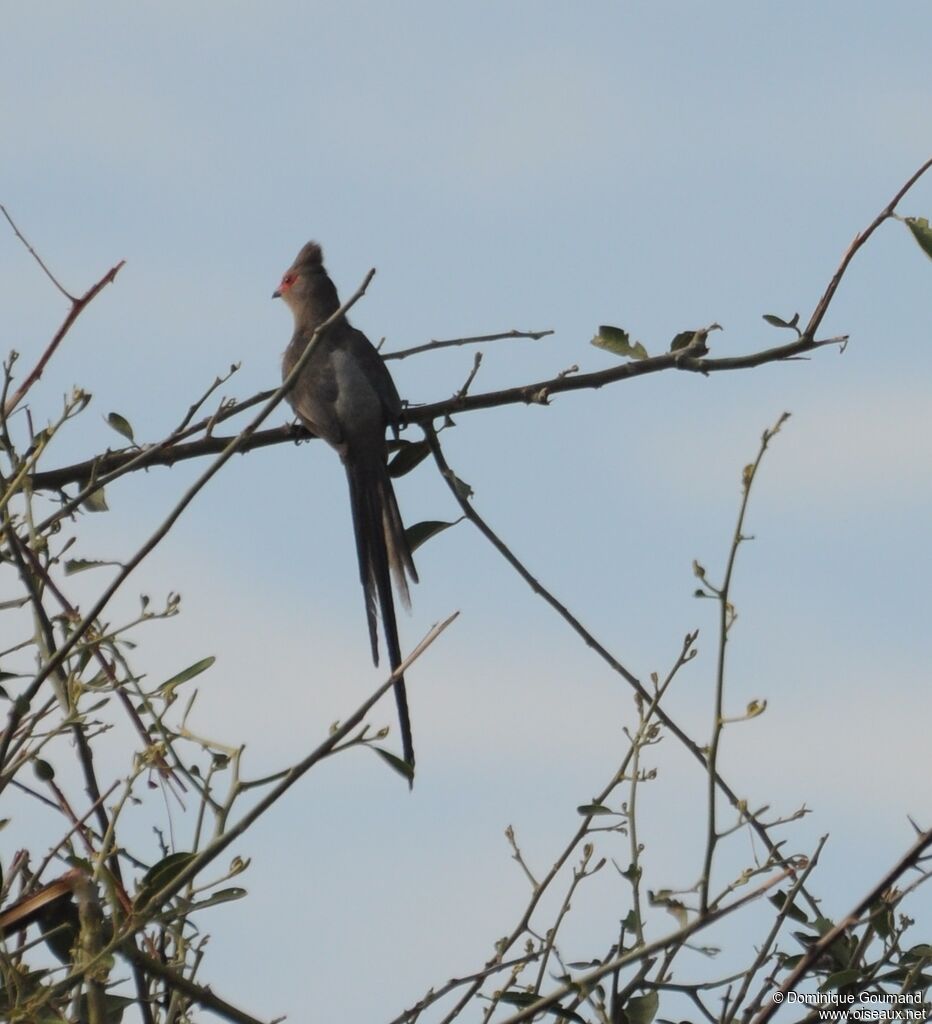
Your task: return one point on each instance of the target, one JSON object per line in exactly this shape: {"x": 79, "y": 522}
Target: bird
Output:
{"x": 345, "y": 395}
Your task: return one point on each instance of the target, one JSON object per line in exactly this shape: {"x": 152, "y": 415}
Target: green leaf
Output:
{"x": 113, "y": 1007}
{"x": 462, "y": 488}
{"x": 591, "y": 810}
{"x": 642, "y": 1009}
{"x": 618, "y": 342}
{"x": 122, "y": 426}
{"x": 518, "y": 998}
{"x": 882, "y": 919}
{"x": 921, "y": 232}
{"x": 672, "y": 906}
{"x": 411, "y": 454}
{"x": 420, "y": 533}
{"x": 778, "y": 321}
{"x": 96, "y": 501}
{"x": 401, "y": 766}
{"x": 840, "y": 979}
{"x": 167, "y": 689}
{"x": 792, "y": 911}
{"x": 73, "y": 565}
{"x": 524, "y": 999}
{"x": 221, "y": 896}
{"x": 565, "y": 1014}
{"x": 160, "y": 874}
{"x": 698, "y": 338}
{"x": 44, "y": 771}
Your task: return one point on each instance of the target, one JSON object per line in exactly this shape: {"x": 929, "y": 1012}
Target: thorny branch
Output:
{"x": 539, "y": 392}
{"x": 185, "y": 443}
{"x": 908, "y": 861}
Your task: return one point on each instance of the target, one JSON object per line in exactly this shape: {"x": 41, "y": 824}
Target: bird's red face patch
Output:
{"x": 287, "y": 281}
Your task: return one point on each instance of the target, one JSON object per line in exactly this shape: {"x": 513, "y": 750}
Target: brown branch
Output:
{"x": 80, "y": 630}
{"x": 435, "y": 995}
{"x": 539, "y": 890}
{"x": 587, "y": 981}
{"x": 697, "y": 752}
{"x": 72, "y": 612}
{"x": 36, "y": 256}
{"x": 431, "y": 346}
{"x": 885, "y": 214}
{"x": 77, "y": 308}
{"x": 211, "y": 852}
{"x": 104, "y": 468}
{"x": 111, "y": 464}
{"x": 202, "y": 995}
{"x": 140, "y": 918}
{"x": 30, "y": 908}
{"x": 763, "y": 951}
{"x": 815, "y": 951}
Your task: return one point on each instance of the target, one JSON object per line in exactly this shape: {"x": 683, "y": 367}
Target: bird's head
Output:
{"x": 305, "y": 286}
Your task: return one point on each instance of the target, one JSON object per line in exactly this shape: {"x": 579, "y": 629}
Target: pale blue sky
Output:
{"x": 657, "y": 166}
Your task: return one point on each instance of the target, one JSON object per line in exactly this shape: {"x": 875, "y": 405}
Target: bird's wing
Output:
{"x": 316, "y": 391}
{"x": 376, "y": 372}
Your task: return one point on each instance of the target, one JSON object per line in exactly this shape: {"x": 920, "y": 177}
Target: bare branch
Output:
{"x": 885, "y": 214}
{"x": 588, "y": 981}
{"x": 54, "y": 662}
{"x": 35, "y": 255}
{"x": 77, "y": 307}
{"x": 432, "y": 346}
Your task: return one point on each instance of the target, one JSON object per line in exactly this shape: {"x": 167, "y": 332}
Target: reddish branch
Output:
{"x": 77, "y": 308}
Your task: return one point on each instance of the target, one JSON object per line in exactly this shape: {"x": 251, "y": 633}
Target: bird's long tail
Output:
{"x": 383, "y": 553}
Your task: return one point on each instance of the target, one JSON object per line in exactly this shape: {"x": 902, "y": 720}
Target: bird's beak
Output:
{"x": 277, "y": 294}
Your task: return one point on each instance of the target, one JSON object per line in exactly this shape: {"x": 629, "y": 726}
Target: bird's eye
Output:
{"x": 288, "y": 280}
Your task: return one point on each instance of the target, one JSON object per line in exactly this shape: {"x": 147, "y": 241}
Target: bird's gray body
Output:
{"x": 346, "y": 396}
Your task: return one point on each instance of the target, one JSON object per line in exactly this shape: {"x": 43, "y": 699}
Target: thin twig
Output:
{"x": 36, "y": 256}
{"x": 39, "y": 569}
{"x": 590, "y": 640}
{"x": 212, "y": 851}
{"x": 50, "y": 856}
{"x": 432, "y": 346}
{"x": 726, "y": 617}
{"x": 454, "y": 983}
{"x": 588, "y": 981}
{"x": 161, "y": 532}
{"x": 764, "y": 950}
{"x": 171, "y": 452}
{"x": 199, "y": 994}
{"x": 685, "y": 655}
{"x": 146, "y": 908}
{"x": 112, "y": 464}
{"x": 815, "y": 951}
{"x": 885, "y": 214}
{"x": 77, "y": 308}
